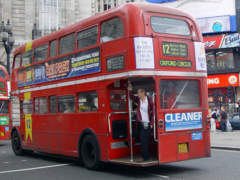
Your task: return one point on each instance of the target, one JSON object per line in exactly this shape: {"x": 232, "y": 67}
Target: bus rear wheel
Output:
{"x": 90, "y": 153}
{"x": 16, "y": 144}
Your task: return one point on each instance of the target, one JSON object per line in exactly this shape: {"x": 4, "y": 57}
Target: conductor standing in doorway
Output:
{"x": 144, "y": 119}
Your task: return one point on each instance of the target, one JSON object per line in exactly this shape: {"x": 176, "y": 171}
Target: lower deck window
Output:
{"x": 66, "y": 104}
{"x": 41, "y": 106}
{"x": 88, "y": 101}
{"x": 179, "y": 94}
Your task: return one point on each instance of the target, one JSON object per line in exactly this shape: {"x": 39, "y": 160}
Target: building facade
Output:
{"x": 33, "y": 18}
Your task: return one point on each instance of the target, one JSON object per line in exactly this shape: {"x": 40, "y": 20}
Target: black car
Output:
{"x": 234, "y": 120}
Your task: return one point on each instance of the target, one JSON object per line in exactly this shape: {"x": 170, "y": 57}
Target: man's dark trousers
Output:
{"x": 144, "y": 139}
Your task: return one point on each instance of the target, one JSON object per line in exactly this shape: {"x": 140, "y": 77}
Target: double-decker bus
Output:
{"x": 5, "y": 126}
{"x": 71, "y": 88}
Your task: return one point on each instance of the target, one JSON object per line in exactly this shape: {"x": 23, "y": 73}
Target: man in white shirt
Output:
{"x": 144, "y": 119}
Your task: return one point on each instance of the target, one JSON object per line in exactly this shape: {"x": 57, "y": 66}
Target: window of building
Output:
{"x": 67, "y": 44}
{"x": 224, "y": 60}
{"x": 211, "y": 63}
{"x": 111, "y": 29}
{"x": 169, "y": 26}
{"x": 66, "y": 104}
{"x": 41, "y": 106}
{"x": 40, "y": 53}
{"x": 118, "y": 100}
{"x": 53, "y": 104}
{"x": 179, "y": 94}
{"x": 27, "y": 58}
{"x": 17, "y": 62}
{"x": 53, "y": 48}
{"x": 26, "y": 106}
{"x": 87, "y": 37}
{"x": 88, "y": 101}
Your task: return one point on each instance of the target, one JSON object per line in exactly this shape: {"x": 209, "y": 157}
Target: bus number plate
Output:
{"x": 182, "y": 148}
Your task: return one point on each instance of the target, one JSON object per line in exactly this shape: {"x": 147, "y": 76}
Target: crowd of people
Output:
{"x": 219, "y": 119}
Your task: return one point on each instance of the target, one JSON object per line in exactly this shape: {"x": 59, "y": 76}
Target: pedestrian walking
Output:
{"x": 223, "y": 122}
{"x": 213, "y": 120}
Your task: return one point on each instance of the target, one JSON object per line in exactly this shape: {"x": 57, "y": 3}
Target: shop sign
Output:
{"x": 222, "y": 41}
{"x": 217, "y": 24}
{"x": 223, "y": 80}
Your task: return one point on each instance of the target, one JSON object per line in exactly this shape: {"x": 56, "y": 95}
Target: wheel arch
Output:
{"x": 84, "y": 133}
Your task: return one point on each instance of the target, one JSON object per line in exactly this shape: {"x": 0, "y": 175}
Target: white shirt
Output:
{"x": 144, "y": 110}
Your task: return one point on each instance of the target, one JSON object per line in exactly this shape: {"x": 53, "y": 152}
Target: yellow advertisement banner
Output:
{"x": 28, "y": 46}
{"x": 27, "y": 96}
{"x": 28, "y": 126}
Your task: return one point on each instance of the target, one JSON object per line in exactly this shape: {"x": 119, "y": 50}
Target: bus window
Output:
{"x": 169, "y": 26}
{"x": 41, "y": 105}
{"x": 17, "y": 61}
{"x": 27, "y": 58}
{"x": 27, "y": 107}
{"x": 118, "y": 100}
{"x": 4, "y": 107}
{"x": 179, "y": 94}
{"x": 111, "y": 29}
{"x": 53, "y": 48}
{"x": 87, "y": 37}
{"x": 53, "y": 104}
{"x": 66, "y": 104}
{"x": 88, "y": 101}
{"x": 67, "y": 44}
{"x": 2, "y": 74}
{"x": 40, "y": 53}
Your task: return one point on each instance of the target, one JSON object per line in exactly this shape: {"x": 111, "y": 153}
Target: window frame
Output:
{"x": 168, "y": 17}
{"x": 180, "y": 109}
{"x": 34, "y": 104}
{"x": 20, "y": 63}
{"x": 109, "y": 19}
{"x": 86, "y": 92}
{"x": 59, "y": 43}
{"x": 34, "y": 50}
{"x": 85, "y": 29}
{"x": 32, "y": 58}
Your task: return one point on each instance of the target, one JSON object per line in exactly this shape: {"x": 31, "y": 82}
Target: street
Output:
{"x": 222, "y": 165}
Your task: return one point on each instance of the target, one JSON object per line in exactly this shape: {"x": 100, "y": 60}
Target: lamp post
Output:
{"x": 7, "y": 39}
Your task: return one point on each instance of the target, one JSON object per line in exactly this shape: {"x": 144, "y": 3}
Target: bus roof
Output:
{"x": 130, "y": 9}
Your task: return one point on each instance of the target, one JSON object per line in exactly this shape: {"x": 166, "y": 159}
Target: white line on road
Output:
{"x": 159, "y": 175}
{"x": 31, "y": 169}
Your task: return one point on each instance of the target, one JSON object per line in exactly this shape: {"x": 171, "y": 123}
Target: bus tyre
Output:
{"x": 16, "y": 144}
{"x": 90, "y": 153}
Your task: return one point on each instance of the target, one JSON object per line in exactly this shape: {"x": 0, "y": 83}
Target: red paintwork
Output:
{"x": 6, "y": 97}
{"x": 59, "y": 133}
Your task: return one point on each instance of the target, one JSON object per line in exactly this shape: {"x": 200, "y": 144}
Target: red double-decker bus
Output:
{"x": 5, "y": 126}
{"x": 71, "y": 88}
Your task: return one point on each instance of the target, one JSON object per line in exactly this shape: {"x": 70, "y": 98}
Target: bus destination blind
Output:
{"x": 175, "y": 49}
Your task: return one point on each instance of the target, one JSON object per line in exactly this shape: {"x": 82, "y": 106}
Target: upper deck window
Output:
{"x": 87, "y": 37}
{"x": 53, "y": 48}
{"x": 27, "y": 58}
{"x": 67, "y": 44}
{"x": 170, "y": 26}
{"x": 40, "y": 53}
{"x": 111, "y": 29}
{"x": 17, "y": 63}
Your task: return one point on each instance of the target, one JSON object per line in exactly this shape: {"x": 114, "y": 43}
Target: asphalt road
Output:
{"x": 223, "y": 165}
